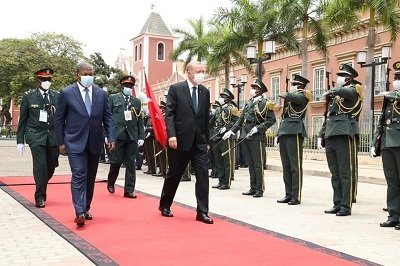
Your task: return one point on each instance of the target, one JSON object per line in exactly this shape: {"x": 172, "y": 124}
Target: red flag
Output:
{"x": 157, "y": 119}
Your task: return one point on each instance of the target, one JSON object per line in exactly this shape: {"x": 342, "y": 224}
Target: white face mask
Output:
{"x": 199, "y": 78}
{"x": 127, "y": 91}
{"x": 45, "y": 85}
{"x": 252, "y": 92}
{"x": 396, "y": 84}
{"x": 293, "y": 88}
{"x": 221, "y": 100}
{"x": 340, "y": 81}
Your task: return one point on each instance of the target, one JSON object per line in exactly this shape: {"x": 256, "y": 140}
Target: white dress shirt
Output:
{"x": 83, "y": 93}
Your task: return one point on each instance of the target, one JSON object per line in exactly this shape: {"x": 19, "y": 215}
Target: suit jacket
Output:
{"x": 30, "y": 129}
{"x": 75, "y": 128}
{"x": 188, "y": 126}
{"x": 131, "y": 129}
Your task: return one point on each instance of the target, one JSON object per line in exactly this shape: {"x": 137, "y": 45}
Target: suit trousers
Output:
{"x": 391, "y": 169}
{"x": 291, "y": 151}
{"x": 254, "y": 156}
{"x": 339, "y": 157}
{"x": 45, "y": 161}
{"x": 125, "y": 152}
{"x": 178, "y": 160}
{"x": 84, "y": 169}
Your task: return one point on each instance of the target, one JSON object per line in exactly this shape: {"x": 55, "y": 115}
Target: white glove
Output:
{"x": 222, "y": 130}
{"x": 372, "y": 152}
{"x": 319, "y": 144}
{"x": 140, "y": 142}
{"x": 147, "y": 135}
{"x": 227, "y": 135}
{"x": 276, "y": 144}
{"x": 106, "y": 140}
{"x": 383, "y": 93}
{"x": 253, "y": 131}
{"x": 21, "y": 149}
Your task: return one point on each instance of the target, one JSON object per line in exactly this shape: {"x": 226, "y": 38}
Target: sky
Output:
{"x": 101, "y": 26}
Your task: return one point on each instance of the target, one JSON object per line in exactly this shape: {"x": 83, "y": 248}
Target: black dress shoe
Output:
{"x": 258, "y": 195}
{"x": 88, "y": 216}
{"x": 385, "y": 209}
{"x": 185, "y": 178}
{"x": 343, "y": 213}
{"x": 111, "y": 188}
{"x": 354, "y": 200}
{"x": 166, "y": 212}
{"x": 80, "y": 220}
{"x": 224, "y": 187}
{"x": 249, "y": 193}
{"x": 216, "y": 186}
{"x": 40, "y": 204}
{"x": 283, "y": 200}
{"x": 293, "y": 202}
{"x": 389, "y": 223}
{"x": 130, "y": 195}
{"x": 158, "y": 174}
{"x": 332, "y": 211}
{"x": 397, "y": 227}
{"x": 202, "y": 217}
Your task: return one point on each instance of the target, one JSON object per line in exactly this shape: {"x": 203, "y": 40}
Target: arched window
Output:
{"x": 140, "y": 52}
{"x": 136, "y": 58}
{"x": 160, "y": 51}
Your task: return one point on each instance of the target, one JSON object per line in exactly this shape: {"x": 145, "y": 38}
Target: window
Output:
{"x": 319, "y": 84}
{"x": 275, "y": 89}
{"x": 140, "y": 52}
{"x": 160, "y": 51}
{"x": 317, "y": 122}
{"x": 380, "y": 77}
{"x": 241, "y": 97}
{"x": 136, "y": 55}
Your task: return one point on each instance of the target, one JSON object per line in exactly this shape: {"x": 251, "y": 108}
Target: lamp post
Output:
{"x": 362, "y": 59}
{"x": 240, "y": 85}
{"x": 252, "y": 56}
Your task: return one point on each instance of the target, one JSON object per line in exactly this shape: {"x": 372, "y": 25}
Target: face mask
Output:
{"x": 221, "y": 100}
{"x": 340, "y": 81}
{"x": 86, "y": 81}
{"x": 252, "y": 92}
{"x": 293, "y": 88}
{"x": 127, "y": 91}
{"x": 396, "y": 84}
{"x": 199, "y": 78}
{"x": 45, "y": 85}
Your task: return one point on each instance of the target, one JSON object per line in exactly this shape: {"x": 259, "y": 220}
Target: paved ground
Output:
{"x": 26, "y": 240}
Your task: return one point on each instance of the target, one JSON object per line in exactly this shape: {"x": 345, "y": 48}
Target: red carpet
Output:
{"x": 132, "y": 232}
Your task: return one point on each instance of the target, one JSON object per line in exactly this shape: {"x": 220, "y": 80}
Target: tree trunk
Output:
{"x": 304, "y": 50}
{"x": 227, "y": 83}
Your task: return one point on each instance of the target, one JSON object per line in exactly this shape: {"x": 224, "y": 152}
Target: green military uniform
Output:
{"x": 162, "y": 152}
{"x": 36, "y": 128}
{"x": 223, "y": 120}
{"x": 150, "y": 146}
{"x": 127, "y": 113}
{"x": 258, "y": 115}
{"x": 388, "y": 136}
{"x": 339, "y": 131}
{"x": 216, "y": 105}
{"x": 291, "y": 134}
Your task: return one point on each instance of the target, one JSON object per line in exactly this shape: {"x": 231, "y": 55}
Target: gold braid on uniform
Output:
{"x": 347, "y": 110}
{"x": 225, "y": 116}
{"x": 134, "y": 111}
{"x": 292, "y": 113}
{"x": 269, "y": 105}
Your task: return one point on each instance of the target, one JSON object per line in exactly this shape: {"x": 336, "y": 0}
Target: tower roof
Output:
{"x": 155, "y": 25}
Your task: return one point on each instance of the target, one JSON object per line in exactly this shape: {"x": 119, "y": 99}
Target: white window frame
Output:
{"x": 163, "y": 51}
{"x": 320, "y": 80}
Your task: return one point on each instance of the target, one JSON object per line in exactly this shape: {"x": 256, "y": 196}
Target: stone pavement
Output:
{"x": 358, "y": 235}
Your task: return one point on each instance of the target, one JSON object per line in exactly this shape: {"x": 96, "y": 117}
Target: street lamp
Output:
{"x": 269, "y": 50}
{"x": 240, "y": 85}
{"x": 362, "y": 60}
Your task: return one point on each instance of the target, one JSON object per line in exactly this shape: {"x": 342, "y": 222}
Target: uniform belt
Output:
{"x": 252, "y": 122}
{"x": 336, "y": 114}
{"x": 392, "y": 121}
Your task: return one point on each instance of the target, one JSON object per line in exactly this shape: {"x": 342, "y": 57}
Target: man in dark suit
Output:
{"x": 187, "y": 117}
{"x": 82, "y": 110}
{"x": 36, "y": 127}
{"x": 127, "y": 112}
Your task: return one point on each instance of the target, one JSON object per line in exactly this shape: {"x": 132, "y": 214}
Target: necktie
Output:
{"x": 127, "y": 102}
{"x": 88, "y": 103}
{"x": 194, "y": 98}
{"x": 46, "y": 98}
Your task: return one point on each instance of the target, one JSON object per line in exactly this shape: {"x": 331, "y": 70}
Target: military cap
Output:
{"x": 44, "y": 73}
{"x": 396, "y": 68}
{"x": 216, "y": 104}
{"x": 347, "y": 70}
{"x": 299, "y": 80}
{"x": 128, "y": 79}
{"x": 227, "y": 93}
{"x": 163, "y": 104}
{"x": 259, "y": 84}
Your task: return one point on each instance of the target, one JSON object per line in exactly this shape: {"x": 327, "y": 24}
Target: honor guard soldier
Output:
{"x": 339, "y": 130}
{"x": 257, "y": 116}
{"x": 223, "y": 119}
{"x": 161, "y": 152}
{"x": 127, "y": 113}
{"x": 150, "y": 148}
{"x": 213, "y": 111}
{"x": 36, "y": 128}
{"x": 291, "y": 134}
{"x": 387, "y": 144}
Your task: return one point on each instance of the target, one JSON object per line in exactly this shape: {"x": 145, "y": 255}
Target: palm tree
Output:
{"x": 345, "y": 13}
{"x": 195, "y": 43}
{"x": 306, "y": 17}
{"x": 256, "y": 21}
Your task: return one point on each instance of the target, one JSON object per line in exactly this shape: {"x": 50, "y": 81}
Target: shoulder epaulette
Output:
{"x": 270, "y": 104}
{"x": 234, "y": 111}
{"x": 360, "y": 91}
{"x": 309, "y": 95}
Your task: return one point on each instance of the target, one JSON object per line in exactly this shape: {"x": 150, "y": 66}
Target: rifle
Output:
{"x": 328, "y": 86}
{"x": 378, "y": 141}
{"x": 287, "y": 78}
